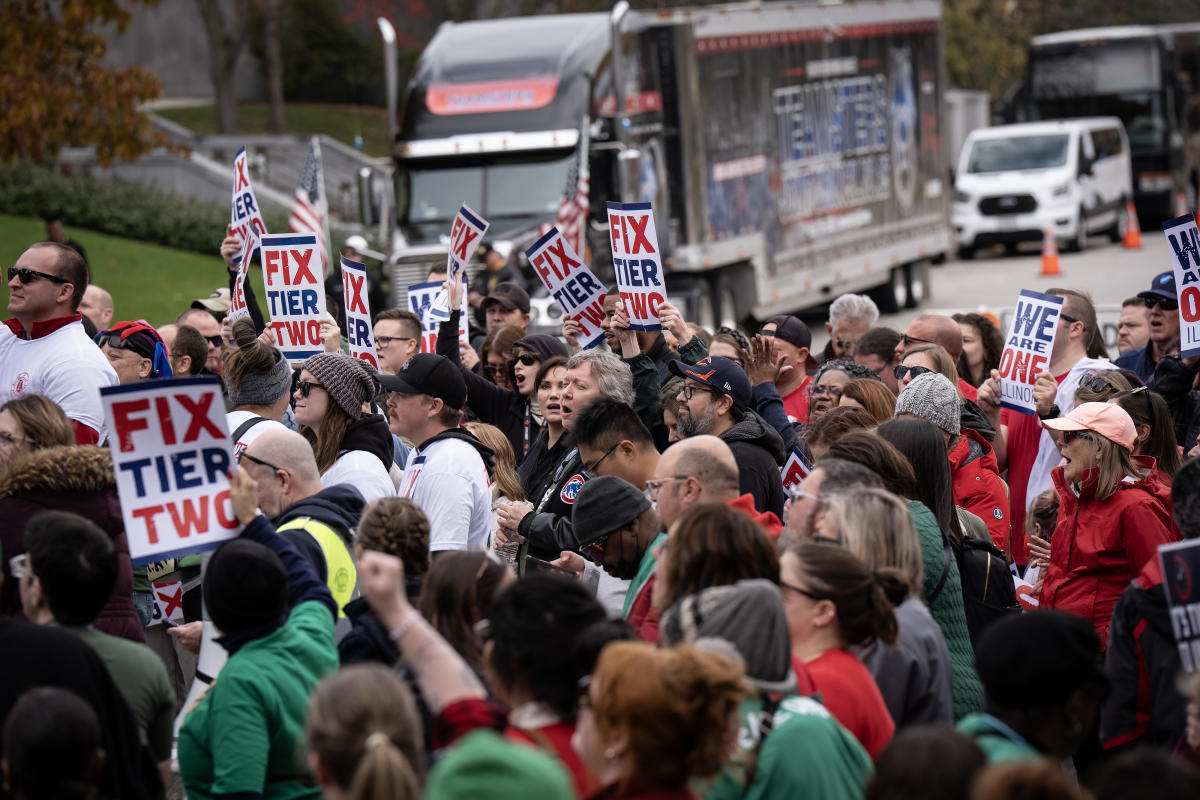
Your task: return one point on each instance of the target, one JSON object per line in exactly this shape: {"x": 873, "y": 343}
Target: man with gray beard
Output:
{"x": 715, "y": 399}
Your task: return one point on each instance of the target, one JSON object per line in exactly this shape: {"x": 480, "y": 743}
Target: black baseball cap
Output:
{"x": 1162, "y": 286}
{"x": 721, "y": 374}
{"x": 431, "y": 374}
{"x": 794, "y": 331}
{"x": 509, "y": 295}
{"x": 605, "y": 504}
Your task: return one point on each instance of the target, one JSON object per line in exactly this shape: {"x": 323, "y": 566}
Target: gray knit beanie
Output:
{"x": 933, "y": 398}
{"x": 348, "y": 380}
{"x": 263, "y": 389}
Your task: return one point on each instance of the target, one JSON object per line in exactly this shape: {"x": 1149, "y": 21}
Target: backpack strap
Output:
{"x": 945, "y": 571}
{"x": 245, "y": 426}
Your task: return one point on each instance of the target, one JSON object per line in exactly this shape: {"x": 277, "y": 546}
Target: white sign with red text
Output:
{"x": 295, "y": 292}
{"x": 421, "y": 298}
{"x": 244, "y": 215}
{"x": 168, "y": 601}
{"x": 358, "y": 312}
{"x": 171, "y": 456}
{"x": 237, "y": 303}
{"x": 1184, "y": 239}
{"x": 795, "y": 469}
{"x": 1027, "y": 348}
{"x": 465, "y": 235}
{"x": 572, "y": 285}
{"x": 637, "y": 261}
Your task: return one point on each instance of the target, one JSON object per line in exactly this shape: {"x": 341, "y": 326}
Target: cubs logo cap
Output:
{"x": 721, "y": 374}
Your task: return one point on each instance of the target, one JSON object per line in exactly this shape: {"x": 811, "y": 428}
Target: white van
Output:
{"x": 1014, "y": 181}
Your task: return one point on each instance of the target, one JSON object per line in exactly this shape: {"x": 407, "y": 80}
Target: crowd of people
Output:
{"x": 516, "y": 568}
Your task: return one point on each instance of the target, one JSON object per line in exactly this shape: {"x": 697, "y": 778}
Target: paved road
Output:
{"x": 992, "y": 280}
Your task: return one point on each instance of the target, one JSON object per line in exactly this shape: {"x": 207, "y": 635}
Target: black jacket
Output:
{"x": 759, "y": 452}
{"x": 662, "y": 356}
{"x": 548, "y": 530}
{"x": 508, "y": 410}
{"x": 540, "y": 461}
{"x": 339, "y": 507}
{"x": 370, "y": 433}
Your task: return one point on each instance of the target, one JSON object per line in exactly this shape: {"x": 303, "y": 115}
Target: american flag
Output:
{"x": 310, "y": 212}
{"x": 573, "y": 210}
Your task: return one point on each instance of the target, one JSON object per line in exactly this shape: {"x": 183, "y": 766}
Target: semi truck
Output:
{"x": 792, "y": 151}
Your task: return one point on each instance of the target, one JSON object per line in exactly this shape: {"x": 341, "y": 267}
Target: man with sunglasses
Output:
{"x": 135, "y": 351}
{"x": 44, "y": 348}
{"x": 1162, "y": 302}
{"x": 941, "y": 330}
{"x": 203, "y": 321}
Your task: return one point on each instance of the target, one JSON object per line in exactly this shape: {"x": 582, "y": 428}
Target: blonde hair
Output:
{"x": 942, "y": 362}
{"x": 673, "y": 705}
{"x": 505, "y": 472}
{"x": 364, "y": 727}
{"x": 1115, "y": 464}
{"x": 876, "y": 527}
{"x": 42, "y": 422}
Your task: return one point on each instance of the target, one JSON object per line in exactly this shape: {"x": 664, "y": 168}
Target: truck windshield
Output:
{"x": 1019, "y": 153}
{"x": 530, "y": 187}
{"x": 1142, "y": 113}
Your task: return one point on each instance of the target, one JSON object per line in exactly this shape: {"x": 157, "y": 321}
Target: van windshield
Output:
{"x": 1019, "y": 153}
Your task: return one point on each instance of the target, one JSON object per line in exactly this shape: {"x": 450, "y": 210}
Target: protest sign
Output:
{"x": 421, "y": 299}
{"x": 245, "y": 218}
{"x": 295, "y": 292}
{"x": 1180, "y": 565}
{"x": 358, "y": 312}
{"x": 1027, "y": 348}
{"x": 237, "y": 302}
{"x": 168, "y": 601}
{"x": 1184, "y": 239}
{"x": 171, "y": 455}
{"x": 637, "y": 263}
{"x": 795, "y": 469}
{"x": 465, "y": 235}
{"x": 572, "y": 285}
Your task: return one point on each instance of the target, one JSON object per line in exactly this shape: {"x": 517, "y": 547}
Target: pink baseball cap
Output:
{"x": 1110, "y": 421}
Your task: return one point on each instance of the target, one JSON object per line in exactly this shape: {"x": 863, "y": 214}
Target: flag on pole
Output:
{"x": 310, "y": 211}
{"x": 573, "y": 210}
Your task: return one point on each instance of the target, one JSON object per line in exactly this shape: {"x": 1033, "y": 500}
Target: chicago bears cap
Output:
{"x": 721, "y": 374}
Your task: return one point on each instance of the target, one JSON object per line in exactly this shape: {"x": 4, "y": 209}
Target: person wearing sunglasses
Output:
{"x": 1114, "y": 512}
{"x": 1162, "y": 303}
{"x": 135, "y": 351}
{"x": 510, "y": 405}
{"x": 44, "y": 348}
{"x": 850, "y": 316}
{"x": 941, "y": 330}
{"x": 210, "y": 329}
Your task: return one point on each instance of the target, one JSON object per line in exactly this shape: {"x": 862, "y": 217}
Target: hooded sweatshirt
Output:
{"x": 508, "y": 410}
{"x": 339, "y": 507}
{"x": 759, "y": 452}
{"x": 449, "y": 476}
{"x": 364, "y": 459}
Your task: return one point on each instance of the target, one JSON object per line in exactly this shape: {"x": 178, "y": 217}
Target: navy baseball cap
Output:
{"x": 721, "y": 374}
{"x": 792, "y": 330}
{"x": 1162, "y": 286}
{"x": 431, "y": 374}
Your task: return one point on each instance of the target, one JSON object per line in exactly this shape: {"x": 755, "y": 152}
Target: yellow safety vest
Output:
{"x": 341, "y": 576}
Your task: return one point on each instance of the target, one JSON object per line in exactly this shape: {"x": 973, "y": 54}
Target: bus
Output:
{"x": 1144, "y": 75}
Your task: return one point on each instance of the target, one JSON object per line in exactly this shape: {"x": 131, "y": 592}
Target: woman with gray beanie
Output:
{"x": 258, "y": 383}
{"x": 350, "y": 446}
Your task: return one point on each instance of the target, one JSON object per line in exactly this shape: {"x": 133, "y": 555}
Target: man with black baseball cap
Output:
{"x": 1162, "y": 300}
{"x": 508, "y": 304}
{"x": 716, "y": 399}
{"x": 447, "y": 472}
{"x": 791, "y": 338}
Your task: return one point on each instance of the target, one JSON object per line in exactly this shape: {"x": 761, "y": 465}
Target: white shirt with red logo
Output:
{"x": 449, "y": 481}
{"x": 61, "y": 362}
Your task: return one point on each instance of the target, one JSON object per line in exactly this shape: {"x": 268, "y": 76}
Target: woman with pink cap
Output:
{"x": 1114, "y": 513}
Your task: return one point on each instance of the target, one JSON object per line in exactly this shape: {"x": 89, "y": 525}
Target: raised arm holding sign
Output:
{"x": 358, "y": 312}
{"x": 1027, "y": 349}
{"x": 1184, "y": 239}
{"x": 572, "y": 285}
{"x": 422, "y": 298}
{"x": 295, "y": 292}
{"x": 637, "y": 262}
{"x": 171, "y": 456}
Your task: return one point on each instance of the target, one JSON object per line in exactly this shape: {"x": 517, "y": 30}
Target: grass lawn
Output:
{"x": 147, "y": 281}
{"x": 341, "y": 122}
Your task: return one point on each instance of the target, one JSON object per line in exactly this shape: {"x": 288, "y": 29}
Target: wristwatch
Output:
{"x": 1052, "y": 413}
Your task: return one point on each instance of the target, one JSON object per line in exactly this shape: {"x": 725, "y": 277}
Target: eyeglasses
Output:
{"x": 1165, "y": 303}
{"x": 386, "y": 340}
{"x": 845, "y": 344}
{"x": 1096, "y": 382}
{"x": 797, "y": 494}
{"x": 588, "y": 469}
{"x": 833, "y": 391}
{"x": 804, "y": 592}
{"x": 900, "y": 371}
{"x": 1070, "y": 436}
{"x": 909, "y": 341}
{"x": 304, "y": 388}
{"x": 215, "y": 341}
{"x": 594, "y": 551}
{"x": 1070, "y": 320}
{"x": 654, "y": 487}
{"x": 28, "y": 276}
{"x": 18, "y": 565}
{"x": 274, "y": 469}
{"x": 690, "y": 389}
{"x": 8, "y": 440}
{"x": 492, "y": 369}
{"x": 527, "y": 360}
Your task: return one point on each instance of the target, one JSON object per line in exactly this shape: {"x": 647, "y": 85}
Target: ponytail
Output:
{"x": 383, "y": 773}
{"x": 864, "y": 610}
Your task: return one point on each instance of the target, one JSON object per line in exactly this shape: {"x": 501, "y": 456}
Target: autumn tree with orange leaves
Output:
{"x": 55, "y": 92}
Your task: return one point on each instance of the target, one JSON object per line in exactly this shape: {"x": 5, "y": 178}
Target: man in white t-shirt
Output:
{"x": 447, "y": 472}
{"x": 43, "y": 348}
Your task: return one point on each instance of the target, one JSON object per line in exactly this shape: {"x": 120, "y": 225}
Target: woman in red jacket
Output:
{"x": 1113, "y": 513}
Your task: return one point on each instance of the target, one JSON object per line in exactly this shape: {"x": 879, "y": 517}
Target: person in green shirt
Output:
{"x": 1043, "y": 682}
{"x": 76, "y": 568}
{"x": 244, "y": 736}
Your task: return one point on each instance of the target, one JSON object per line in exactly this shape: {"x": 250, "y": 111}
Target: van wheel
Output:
{"x": 893, "y": 295}
{"x": 966, "y": 253}
{"x": 1079, "y": 240}
{"x": 1116, "y": 234}
{"x": 917, "y": 280}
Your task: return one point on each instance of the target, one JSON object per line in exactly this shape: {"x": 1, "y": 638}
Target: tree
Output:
{"x": 55, "y": 91}
{"x": 225, "y": 39}
{"x": 274, "y": 65}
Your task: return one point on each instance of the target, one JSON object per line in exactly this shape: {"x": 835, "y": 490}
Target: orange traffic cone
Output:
{"x": 1133, "y": 229}
{"x": 1180, "y": 204}
{"x": 1049, "y": 254}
